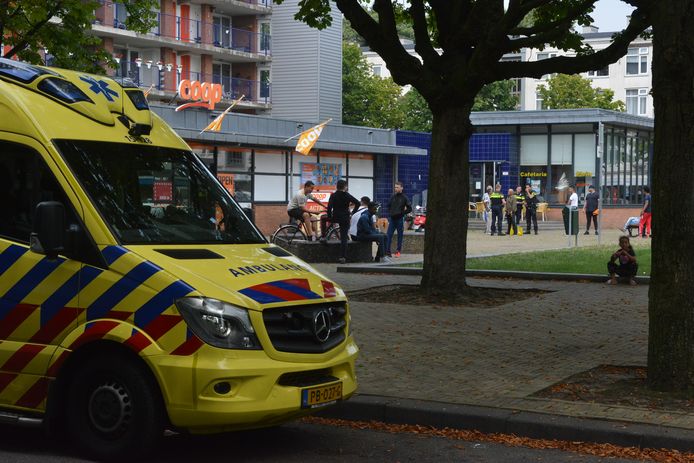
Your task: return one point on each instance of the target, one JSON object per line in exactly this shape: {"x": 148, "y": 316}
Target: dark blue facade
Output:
{"x": 413, "y": 171}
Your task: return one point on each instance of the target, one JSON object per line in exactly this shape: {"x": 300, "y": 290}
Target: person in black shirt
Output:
{"x": 398, "y": 206}
{"x": 498, "y": 202}
{"x": 339, "y": 212}
{"x": 626, "y": 257}
{"x": 531, "y": 202}
{"x": 520, "y": 202}
{"x": 590, "y": 208}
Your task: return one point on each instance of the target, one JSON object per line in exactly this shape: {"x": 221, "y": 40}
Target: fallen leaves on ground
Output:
{"x": 599, "y": 450}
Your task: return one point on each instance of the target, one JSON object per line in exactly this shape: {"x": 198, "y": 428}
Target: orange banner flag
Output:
{"x": 309, "y": 137}
{"x": 216, "y": 124}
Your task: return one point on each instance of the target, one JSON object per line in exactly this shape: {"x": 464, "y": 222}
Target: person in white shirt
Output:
{"x": 487, "y": 209}
{"x": 573, "y": 199}
{"x": 363, "y": 206}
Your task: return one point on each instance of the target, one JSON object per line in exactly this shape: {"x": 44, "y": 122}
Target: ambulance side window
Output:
{"x": 25, "y": 181}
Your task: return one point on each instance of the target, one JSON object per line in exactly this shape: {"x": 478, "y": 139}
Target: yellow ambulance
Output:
{"x": 135, "y": 295}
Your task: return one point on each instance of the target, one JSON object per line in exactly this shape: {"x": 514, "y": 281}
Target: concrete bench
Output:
{"x": 329, "y": 252}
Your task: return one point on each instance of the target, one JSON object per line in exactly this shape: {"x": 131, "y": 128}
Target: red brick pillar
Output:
{"x": 206, "y": 68}
{"x": 207, "y": 24}
{"x": 168, "y": 56}
{"x": 105, "y": 14}
{"x": 107, "y": 45}
{"x": 167, "y": 26}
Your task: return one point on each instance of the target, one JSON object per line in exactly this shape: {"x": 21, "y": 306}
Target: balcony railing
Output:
{"x": 195, "y": 31}
{"x": 148, "y": 75}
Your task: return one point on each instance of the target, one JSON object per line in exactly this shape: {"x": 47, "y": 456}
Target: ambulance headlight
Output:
{"x": 217, "y": 323}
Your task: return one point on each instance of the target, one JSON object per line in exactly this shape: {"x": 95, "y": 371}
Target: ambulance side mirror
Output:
{"x": 48, "y": 234}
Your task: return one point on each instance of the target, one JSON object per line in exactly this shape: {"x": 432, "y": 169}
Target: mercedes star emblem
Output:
{"x": 322, "y": 325}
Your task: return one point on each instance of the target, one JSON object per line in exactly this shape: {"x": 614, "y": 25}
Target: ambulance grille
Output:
{"x": 301, "y": 329}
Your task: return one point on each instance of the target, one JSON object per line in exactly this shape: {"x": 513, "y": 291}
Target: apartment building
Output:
{"x": 225, "y": 42}
{"x": 629, "y": 78}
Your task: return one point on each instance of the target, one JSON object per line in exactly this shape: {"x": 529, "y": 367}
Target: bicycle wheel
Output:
{"x": 333, "y": 234}
{"x": 286, "y": 234}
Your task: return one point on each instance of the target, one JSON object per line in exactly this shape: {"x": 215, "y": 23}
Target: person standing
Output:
{"x": 358, "y": 211}
{"x": 339, "y": 212}
{"x": 487, "y": 210}
{"x": 366, "y": 231}
{"x": 497, "y": 202}
{"x": 531, "y": 203}
{"x": 520, "y": 201}
{"x": 590, "y": 208}
{"x": 645, "y": 222}
{"x": 398, "y": 206}
{"x": 573, "y": 199}
{"x": 511, "y": 210}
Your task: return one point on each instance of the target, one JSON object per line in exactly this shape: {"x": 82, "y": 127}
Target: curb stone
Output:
{"x": 488, "y": 420}
{"x": 582, "y": 277}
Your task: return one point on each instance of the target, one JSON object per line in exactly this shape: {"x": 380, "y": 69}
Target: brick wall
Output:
{"x": 269, "y": 216}
{"x": 610, "y": 218}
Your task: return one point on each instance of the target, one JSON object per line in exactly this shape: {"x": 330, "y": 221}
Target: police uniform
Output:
{"x": 496, "y": 199}
{"x": 520, "y": 200}
{"x": 531, "y": 203}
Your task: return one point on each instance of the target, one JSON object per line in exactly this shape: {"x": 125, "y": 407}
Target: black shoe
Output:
{"x": 536, "y": 232}
{"x": 587, "y": 232}
{"x": 596, "y": 232}
{"x": 377, "y": 259}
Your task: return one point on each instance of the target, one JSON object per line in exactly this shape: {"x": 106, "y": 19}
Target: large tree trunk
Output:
{"x": 671, "y": 294}
{"x": 447, "y": 203}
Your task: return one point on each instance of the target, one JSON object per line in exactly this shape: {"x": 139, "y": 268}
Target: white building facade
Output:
{"x": 629, "y": 78}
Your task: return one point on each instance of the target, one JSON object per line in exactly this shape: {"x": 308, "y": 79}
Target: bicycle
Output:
{"x": 294, "y": 230}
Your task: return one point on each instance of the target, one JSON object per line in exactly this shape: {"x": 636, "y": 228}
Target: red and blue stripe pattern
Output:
{"x": 295, "y": 289}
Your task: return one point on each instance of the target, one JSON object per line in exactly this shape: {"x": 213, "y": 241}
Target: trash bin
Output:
{"x": 574, "y": 220}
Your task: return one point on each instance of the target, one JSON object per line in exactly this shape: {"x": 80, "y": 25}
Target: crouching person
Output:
{"x": 623, "y": 262}
{"x": 366, "y": 231}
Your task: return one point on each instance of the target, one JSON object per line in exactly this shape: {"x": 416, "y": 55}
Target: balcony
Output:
{"x": 238, "y": 7}
{"x": 183, "y": 34}
{"x": 147, "y": 74}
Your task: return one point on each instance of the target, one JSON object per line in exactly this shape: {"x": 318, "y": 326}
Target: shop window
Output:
{"x": 533, "y": 150}
{"x": 361, "y": 165}
{"x": 536, "y": 177}
{"x": 273, "y": 162}
{"x": 270, "y": 188}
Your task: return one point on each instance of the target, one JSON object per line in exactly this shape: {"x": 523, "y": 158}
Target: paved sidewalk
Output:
{"x": 498, "y": 357}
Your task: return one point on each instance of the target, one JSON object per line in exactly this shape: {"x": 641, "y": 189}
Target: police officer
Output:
{"x": 520, "y": 201}
{"x": 497, "y": 201}
{"x": 531, "y": 203}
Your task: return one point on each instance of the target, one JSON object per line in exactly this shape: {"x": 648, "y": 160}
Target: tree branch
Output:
{"x": 405, "y": 68}
{"x": 26, "y": 36}
{"x": 640, "y": 20}
{"x": 564, "y": 23}
{"x": 423, "y": 45}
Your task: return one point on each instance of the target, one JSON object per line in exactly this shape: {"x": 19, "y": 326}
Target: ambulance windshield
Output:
{"x": 154, "y": 195}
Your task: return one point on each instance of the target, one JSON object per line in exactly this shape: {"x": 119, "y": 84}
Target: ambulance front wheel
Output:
{"x": 114, "y": 410}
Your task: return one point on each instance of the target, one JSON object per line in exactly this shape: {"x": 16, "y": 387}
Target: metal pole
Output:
{"x": 569, "y": 215}
{"x": 598, "y": 153}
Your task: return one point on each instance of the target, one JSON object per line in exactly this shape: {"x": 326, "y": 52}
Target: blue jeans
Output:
{"x": 378, "y": 238}
{"x": 393, "y": 225}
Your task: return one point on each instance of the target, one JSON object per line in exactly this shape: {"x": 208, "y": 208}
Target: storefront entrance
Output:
{"x": 481, "y": 175}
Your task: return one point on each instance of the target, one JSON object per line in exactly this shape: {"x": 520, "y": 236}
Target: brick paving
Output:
{"x": 499, "y": 356}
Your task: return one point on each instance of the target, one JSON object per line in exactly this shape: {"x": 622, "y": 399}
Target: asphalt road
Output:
{"x": 296, "y": 442}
